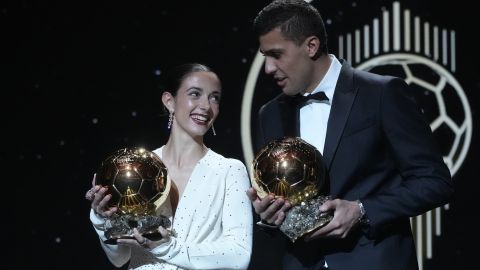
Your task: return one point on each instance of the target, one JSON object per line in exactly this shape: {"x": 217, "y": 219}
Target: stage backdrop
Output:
{"x": 86, "y": 82}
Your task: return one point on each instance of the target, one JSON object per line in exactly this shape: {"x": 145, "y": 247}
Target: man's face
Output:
{"x": 288, "y": 63}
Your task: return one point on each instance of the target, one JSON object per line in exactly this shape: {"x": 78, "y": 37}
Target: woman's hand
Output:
{"x": 99, "y": 200}
{"x": 139, "y": 240}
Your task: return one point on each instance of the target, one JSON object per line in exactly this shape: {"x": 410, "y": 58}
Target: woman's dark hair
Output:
{"x": 297, "y": 20}
{"x": 173, "y": 78}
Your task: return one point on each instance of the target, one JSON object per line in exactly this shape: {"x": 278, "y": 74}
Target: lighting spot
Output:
{"x": 61, "y": 142}
{"x": 134, "y": 114}
{"x": 95, "y": 121}
{"x": 157, "y": 72}
{"x": 58, "y": 240}
{"x": 329, "y": 21}
{"x": 244, "y": 60}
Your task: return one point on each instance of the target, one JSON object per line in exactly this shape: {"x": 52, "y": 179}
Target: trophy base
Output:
{"x": 305, "y": 217}
{"x": 121, "y": 227}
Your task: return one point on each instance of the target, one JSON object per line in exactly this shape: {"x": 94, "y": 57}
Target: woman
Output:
{"x": 211, "y": 216}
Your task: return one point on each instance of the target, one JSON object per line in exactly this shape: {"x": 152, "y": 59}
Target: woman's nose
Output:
{"x": 205, "y": 103}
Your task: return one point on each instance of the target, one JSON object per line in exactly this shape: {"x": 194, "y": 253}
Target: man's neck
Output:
{"x": 320, "y": 69}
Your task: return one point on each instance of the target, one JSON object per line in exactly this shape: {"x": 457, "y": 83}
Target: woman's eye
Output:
{"x": 215, "y": 98}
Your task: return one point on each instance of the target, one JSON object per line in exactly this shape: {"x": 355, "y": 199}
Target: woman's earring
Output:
{"x": 213, "y": 129}
{"x": 170, "y": 120}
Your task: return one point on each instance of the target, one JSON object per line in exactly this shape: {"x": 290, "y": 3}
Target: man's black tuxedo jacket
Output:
{"x": 378, "y": 149}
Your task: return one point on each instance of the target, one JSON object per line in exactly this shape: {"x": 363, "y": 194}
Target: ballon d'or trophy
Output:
{"x": 137, "y": 180}
{"x": 293, "y": 169}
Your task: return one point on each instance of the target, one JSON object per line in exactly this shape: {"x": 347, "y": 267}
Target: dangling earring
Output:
{"x": 170, "y": 120}
{"x": 213, "y": 129}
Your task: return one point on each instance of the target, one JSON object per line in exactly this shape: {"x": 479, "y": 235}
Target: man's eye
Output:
{"x": 194, "y": 94}
{"x": 276, "y": 55}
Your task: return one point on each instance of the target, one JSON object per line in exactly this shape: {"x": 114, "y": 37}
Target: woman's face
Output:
{"x": 196, "y": 105}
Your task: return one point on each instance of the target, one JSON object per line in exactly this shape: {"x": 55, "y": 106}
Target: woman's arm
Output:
{"x": 118, "y": 255}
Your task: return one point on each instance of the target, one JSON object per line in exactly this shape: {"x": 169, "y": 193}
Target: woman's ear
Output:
{"x": 168, "y": 101}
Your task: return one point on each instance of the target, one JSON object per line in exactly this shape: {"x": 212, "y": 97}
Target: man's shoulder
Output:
{"x": 370, "y": 83}
{"x": 367, "y": 77}
{"x": 272, "y": 103}
{"x": 360, "y": 76}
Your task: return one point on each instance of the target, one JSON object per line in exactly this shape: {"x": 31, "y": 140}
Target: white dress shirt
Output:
{"x": 213, "y": 222}
{"x": 314, "y": 115}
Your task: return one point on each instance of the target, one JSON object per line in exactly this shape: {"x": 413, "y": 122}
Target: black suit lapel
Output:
{"x": 342, "y": 103}
{"x": 290, "y": 116}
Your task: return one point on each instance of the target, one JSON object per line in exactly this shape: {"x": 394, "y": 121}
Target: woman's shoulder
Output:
{"x": 222, "y": 160}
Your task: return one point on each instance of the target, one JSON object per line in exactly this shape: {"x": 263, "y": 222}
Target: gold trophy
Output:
{"x": 293, "y": 169}
{"x": 137, "y": 180}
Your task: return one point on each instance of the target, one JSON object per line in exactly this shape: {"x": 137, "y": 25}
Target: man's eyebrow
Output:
{"x": 195, "y": 88}
{"x": 274, "y": 50}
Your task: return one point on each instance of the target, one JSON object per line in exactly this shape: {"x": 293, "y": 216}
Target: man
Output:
{"x": 380, "y": 155}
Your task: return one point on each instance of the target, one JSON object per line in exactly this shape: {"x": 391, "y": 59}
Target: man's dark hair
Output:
{"x": 297, "y": 20}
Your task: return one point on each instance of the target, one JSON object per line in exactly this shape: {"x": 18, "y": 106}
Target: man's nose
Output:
{"x": 270, "y": 66}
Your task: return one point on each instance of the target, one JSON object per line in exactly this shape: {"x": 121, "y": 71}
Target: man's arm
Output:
{"x": 425, "y": 179}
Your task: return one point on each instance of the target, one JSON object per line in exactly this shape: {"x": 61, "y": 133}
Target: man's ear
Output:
{"x": 313, "y": 45}
{"x": 168, "y": 101}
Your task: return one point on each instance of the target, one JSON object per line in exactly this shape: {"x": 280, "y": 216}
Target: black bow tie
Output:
{"x": 302, "y": 100}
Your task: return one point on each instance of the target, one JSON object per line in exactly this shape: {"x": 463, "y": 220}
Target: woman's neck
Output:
{"x": 183, "y": 153}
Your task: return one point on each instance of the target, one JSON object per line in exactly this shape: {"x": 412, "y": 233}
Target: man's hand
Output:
{"x": 271, "y": 210}
{"x": 346, "y": 217}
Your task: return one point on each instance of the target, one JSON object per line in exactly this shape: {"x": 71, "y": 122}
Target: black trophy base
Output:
{"x": 121, "y": 227}
{"x": 154, "y": 236}
{"x": 305, "y": 218}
